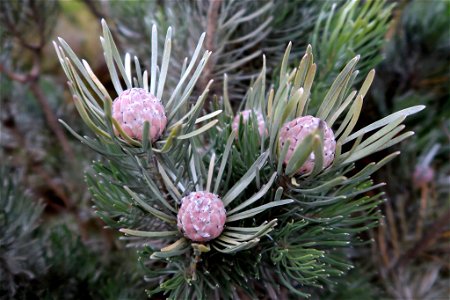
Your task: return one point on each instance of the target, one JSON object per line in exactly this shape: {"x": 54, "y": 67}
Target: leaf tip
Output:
{"x": 421, "y": 107}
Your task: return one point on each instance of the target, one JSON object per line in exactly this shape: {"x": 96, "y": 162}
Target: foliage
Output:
{"x": 90, "y": 271}
{"x": 32, "y": 22}
{"x": 344, "y": 30}
{"x": 137, "y": 187}
{"x": 415, "y": 69}
{"x": 239, "y": 34}
{"x": 240, "y": 31}
{"x": 51, "y": 262}
{"x": 19, "y": 217}
{"x": 235, "y": 28}
{"x": 287, "y": 235}
{"x": 412, "y": 249}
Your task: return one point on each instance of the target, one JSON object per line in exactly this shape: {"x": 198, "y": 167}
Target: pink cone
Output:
{"x": 201, "y": 216}
{"x": 135, "y": 106}
{"x": 296, "y": 131}
{"x": 245, "y": 117}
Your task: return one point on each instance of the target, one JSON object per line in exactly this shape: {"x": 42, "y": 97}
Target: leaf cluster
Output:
{"x": 50, "y": 261}
{"x": 30, "y": 22}
{"x": 302, "y": 226}
{"x": 19, "y": 217}
{"x": 411, "y": 237}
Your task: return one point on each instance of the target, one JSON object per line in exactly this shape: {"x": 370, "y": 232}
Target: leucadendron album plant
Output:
{"x": 227, "y": 203}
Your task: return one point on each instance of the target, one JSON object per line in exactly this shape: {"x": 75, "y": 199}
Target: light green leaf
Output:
{"x": 301, "y": 154}
{"x": 386, "y": 120}
{"x": 199, "y": 130}
{"x": 246, "y": 179}
{"x": 210, "y": 172}
{"x": 169, "y": 185}
{"x": 154, "y": 58}
{"x": 157, "y": 213}
{"x": 208, "y": 116}
{"x": 265, "y": 188}
{"x": 224, "y": 161}
{"x": 149, "y": 234}
{"x": 254, "y": 211}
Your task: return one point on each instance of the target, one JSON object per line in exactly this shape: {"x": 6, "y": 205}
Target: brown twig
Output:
{"x": 93, "y": 8}
{"x": 435, "y": 231}
{"x": 211, "y": 28}
{"x": 32, "y": 78}
{"x": 392, "y": 226}
{"x": 35, "y": 165}
{"x": 37, "y": 21}
{"x": 382, "y": 248}
{"x": 422, "y": 210}
{"x": 51, "y": 119}
{"x": 22, "y": 78}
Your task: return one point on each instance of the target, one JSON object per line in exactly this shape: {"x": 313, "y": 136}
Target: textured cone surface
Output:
{"x": 135, "y": 106}
{"x": 201, "y": 217}
{"x": 297, "y": 130}
{"x": 245, "y": 117}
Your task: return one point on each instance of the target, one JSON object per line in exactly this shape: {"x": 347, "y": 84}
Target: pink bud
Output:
{"x": 135, "y": 106}
{"x": 245, "y": 117}
{"x": 201, "y": 216}
{"x": 297, "y": 130}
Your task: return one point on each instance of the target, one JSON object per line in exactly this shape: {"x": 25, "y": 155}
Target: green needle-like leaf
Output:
{"x": 246, "y": 179}
{"x": 157, "y": 213}
{"x": 301, "y": 154}
{"x": 149, "y": 234}
{"x": 254, "y": 211}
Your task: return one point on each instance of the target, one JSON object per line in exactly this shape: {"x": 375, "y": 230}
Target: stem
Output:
{"x": 12, "y": 75}
{"x": 93, "y": 8}
{"x": 211, "y": 28}
{"x": 33, "y": 79}
{"x": 51, "y": 119}
{"x": 35, "y": 166}
{"x": 422, "y": 210}
{"x": 427, "y": 240}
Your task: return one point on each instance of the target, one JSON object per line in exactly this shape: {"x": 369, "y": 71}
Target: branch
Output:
{"x": 35, "y": 165}
{"x": 33, "y": 79}
{"x": 211, "y": 28}
{"x": 426, "y": 241}
{"x": 12, "y": 29}
{"x": 102, "y": 12}
{"x": 51, "y": 119}
{"x": 93, "y": 8}
{"x": 12, "y": 75}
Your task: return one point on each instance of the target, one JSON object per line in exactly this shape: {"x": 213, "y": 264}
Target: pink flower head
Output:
{"x": 245, "y": 117}
{"x": 135, "y": 106}
{"x": 201, "y": 216}
{"x": 297, "y": 130}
